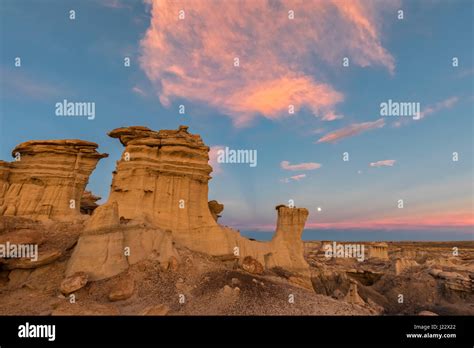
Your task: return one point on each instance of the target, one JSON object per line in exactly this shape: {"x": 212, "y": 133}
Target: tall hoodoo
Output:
{"x": 162, "y": 179}
{"x": 167, "y": 173}
{"x": 47, "y": 178}
{"x": 287, "y": 242}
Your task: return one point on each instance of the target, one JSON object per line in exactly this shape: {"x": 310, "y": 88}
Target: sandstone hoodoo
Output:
{"x": 47, "y": 178}
{"x": 162, "y": 178}
{"x": 89, "y": 202}
{"x": 159, "y": 198}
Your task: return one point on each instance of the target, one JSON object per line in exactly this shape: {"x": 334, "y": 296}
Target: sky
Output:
{"x": 238, "y": 67}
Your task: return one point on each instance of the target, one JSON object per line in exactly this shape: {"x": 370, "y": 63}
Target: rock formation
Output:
{"x": 454, "y": 281}
{"x": 378, "y": 251}
{"x": 47, "y": 178}
{"x": 216, "y": 208}
{"x": 159, "y": 196}
{"x": 401, "y": 265}
{"x": 73, "y": 283}
{"x": 88, "y": 202}
{"x": 352, "y": 295}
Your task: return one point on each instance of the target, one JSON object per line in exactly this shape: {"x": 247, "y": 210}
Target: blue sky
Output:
{"x": 407, "y": 60}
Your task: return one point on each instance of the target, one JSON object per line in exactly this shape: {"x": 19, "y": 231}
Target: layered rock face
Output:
{"x": 287, "y": 248}
{"x": 88, "y": 202}
{"x": 378, "y": 251}
{"x": 159, "y": 195}
{"x": 162, "y": 178}
{"x": 47, "y": 178}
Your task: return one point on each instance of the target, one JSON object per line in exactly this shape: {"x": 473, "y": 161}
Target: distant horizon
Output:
{"x": 370, "y": 235}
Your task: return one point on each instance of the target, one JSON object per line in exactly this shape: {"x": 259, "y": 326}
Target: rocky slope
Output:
{"x": 414, "y": 277}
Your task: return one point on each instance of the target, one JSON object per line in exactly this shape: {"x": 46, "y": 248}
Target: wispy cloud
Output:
{"x": 428, "y": 110}
{"x": 465, "y": 72}
{"x": 301, "y": 166}
{"x": 194, "y": 58}
{"x": 448, "y": 219}
{"x": 17, "y": 83}
{"x": 114, "y": 3}
{"x": 139, "y": 91}
{"x": 444, "y": 104}
{"x": 429, "y": 222}
{"x": 349, "y": 131}
{"x": 318, "y": 131}
{"x": 384, "y": 163}
{"x": 293, "y": 178}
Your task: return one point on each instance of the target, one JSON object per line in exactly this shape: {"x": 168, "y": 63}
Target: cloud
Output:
{"x": 213, "y": 154}
{"x": 318, "y": 131}
{"x": 349, "y": 131}
{"x": 193, "y": 58}
{"x": 139, "y": 91}
{"x": 331, "y": 116}
{"x": 444, "y": 104}
{"x": 428, "y": 110}
{"x": 302, "y": 166}
{"x": 384, "y": 163}
{"x": 19, "y": 84}
{"x": 429, "y": 221}
{"x": 425, "y": 222}
{"x": 114, "y": 4}
{"x": 293, "y": 178}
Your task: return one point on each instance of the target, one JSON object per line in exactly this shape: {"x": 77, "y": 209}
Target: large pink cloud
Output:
{"x": 281, "y": 61}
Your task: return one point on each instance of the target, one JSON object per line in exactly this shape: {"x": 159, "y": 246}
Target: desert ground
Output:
{"x": 431, "y": 280}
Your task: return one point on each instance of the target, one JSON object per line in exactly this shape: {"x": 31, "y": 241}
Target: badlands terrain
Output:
{"x": 155, "y": 247}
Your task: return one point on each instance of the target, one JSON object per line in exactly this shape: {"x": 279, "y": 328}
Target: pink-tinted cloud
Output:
{"x": 384, "y": 163}
{"x": 349, "y": 131}
{"x": 294, "y": 178}
{"x": 139, "y": 91}
{"x": 213, "y": 155}
{"x": 193, "y": 58}
{"x": 301, "y": 166}
{"x": 331, "y": 116}
{"x": 451, "y": 219}
{"x": 444, "y": 104}
{"x": 428, "y": 110}
{"x": 417, "y": 221}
